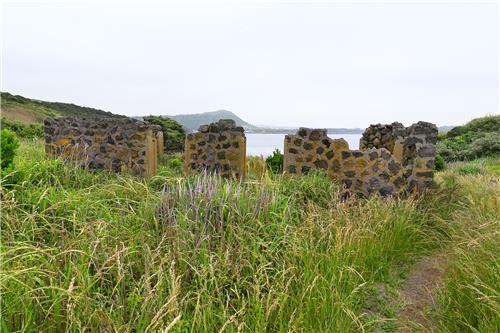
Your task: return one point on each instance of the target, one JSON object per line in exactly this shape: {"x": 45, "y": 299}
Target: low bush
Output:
{"x": 477, "y": 139}
{"x": 175, "y": 163}
{"x": 174, "y": 135}
{"x": 275, "y": 161}
{"x": 439, "y": 163}
{"x": 9, "y": 144}
{"x": 28, "y": 131}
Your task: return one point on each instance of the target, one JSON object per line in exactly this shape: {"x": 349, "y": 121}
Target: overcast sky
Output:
{"x": 318, "y": 64}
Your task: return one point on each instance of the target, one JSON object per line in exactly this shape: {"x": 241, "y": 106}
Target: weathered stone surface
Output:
{"x": 308, "y": 146}
{"x": 321, "y": 164}
{"x": 392, "y": 159}
{"x": 345, "y": 154}
{"x": 113, "y": 144}
{"x": 427, "y": 151}
{"x": 381, "y": 136}
{"x": 336, "y": 166}
{"x": 217, "y": 147}
{"x": 394, "y": 167}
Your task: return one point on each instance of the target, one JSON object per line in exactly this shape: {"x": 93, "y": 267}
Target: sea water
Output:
{"x": 265, "y": 144}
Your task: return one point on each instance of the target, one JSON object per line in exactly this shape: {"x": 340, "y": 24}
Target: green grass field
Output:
{"x": 99, "y": 252}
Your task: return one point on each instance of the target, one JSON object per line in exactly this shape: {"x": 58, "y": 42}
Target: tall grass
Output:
{"x": 470, "y": 299}
{"x": 87, "y": 251}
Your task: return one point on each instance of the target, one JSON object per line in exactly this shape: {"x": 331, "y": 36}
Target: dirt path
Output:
{"x": 419, "y": 292}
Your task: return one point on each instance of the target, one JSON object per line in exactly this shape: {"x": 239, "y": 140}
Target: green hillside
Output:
{"x": 25, "y": 116}
{"x": 28, "y": 111}
{"x": 478, "y": 138}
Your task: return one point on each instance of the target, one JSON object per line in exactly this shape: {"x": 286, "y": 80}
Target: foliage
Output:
{"x": 218, "y": 253}
{"x": 486, "y": 124}
{"x": 469, "y": 169}
{"x": 106, "y": 252}
{"x": 470, "y": 298}
{"x": 439, "y": 163}
{"x": 174, "y": 135}
{"x": 482, "y": 166}
{"x": 275, "y": 161}
{"x": 478, "y": 138}
{"x": 53, "y": 109}
{"x": 492, "y": 166}
{"x": 9, "y": 145}
{"x": 27, "y": 131}
{"x": 175, "y": 163}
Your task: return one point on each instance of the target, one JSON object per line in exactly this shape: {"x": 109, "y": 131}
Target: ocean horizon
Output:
{"x": 264, "y": 144}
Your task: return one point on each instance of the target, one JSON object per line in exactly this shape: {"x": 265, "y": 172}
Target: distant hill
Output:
{"x": 191, "y": 122}
{"x": 443, "y": 129}
{"x": 19, "y": 109}
{"x": 24, "y": 110}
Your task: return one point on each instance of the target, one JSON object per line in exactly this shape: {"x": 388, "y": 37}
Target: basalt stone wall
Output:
{"x": 382, "y": 136}
{"x": 401, "y": 159}
{"x": 414, "y": 146}
{"x": 361, "y": 172}
{"x": 219, "y": 147}
{"x": 112, "y": 144}
{"x": 418, "y": 154}
{"x": 158, "y": 134}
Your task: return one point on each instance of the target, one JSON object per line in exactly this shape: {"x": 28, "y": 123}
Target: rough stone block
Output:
{"x": 113, "y": 144}
{"x": 217, "y": 147}
{"x": 392, "y": 158}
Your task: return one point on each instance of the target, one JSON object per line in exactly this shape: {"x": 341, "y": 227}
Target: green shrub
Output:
{"x": 478, "y": 138}
{"x": 175, "y": 163}
{"x": 27, "y": 131}
{"x": 488, "y": 145}
{"x": 456, "y": 131}
{"x": 173, "y": 132}
{"x": 439, "y": 163}
{"x": 275, "y": 162}
{"x": 9, "y": 145}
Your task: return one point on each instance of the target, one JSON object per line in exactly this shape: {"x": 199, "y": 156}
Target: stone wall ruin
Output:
{"x": 219, "y": 147}
{"x": 413, "y": 146}
{"x": 392, "y": 159}
{"x": 110, "y": 144}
